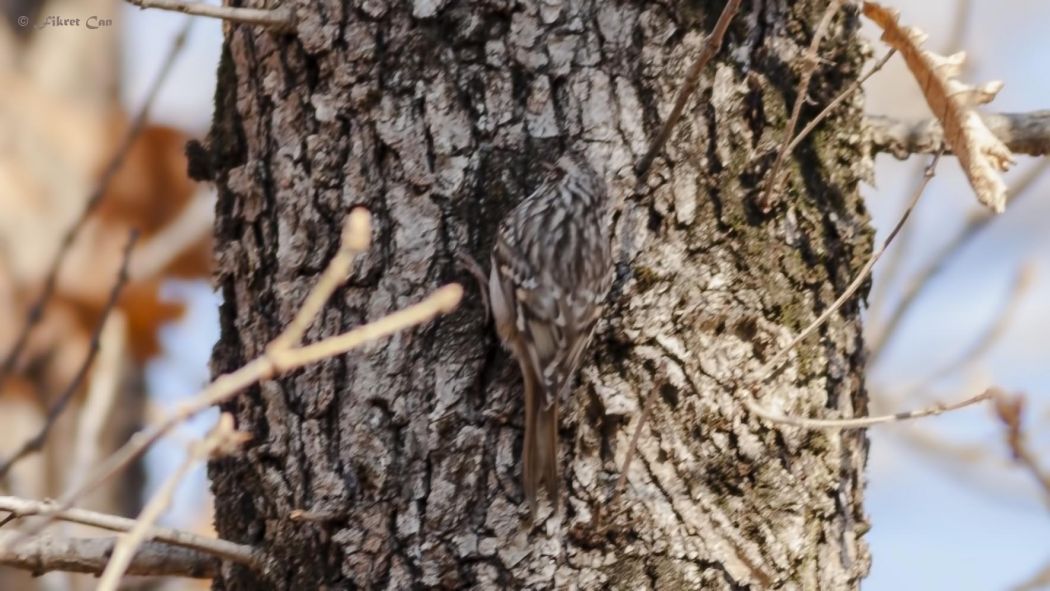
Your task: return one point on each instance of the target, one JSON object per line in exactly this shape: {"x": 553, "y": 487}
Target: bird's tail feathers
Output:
{"x": 540, "y": 454}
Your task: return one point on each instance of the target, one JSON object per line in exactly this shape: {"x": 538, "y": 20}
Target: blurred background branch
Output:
{"x": 1023, "y": 133}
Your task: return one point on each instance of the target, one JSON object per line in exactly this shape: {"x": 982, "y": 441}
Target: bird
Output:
{"x": 551, "y": 271}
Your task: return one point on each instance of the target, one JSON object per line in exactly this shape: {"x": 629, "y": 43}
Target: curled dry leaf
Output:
{"x": 981, "y": 154}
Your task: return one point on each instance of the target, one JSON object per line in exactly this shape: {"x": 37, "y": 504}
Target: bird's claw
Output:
{"x": 467, "y": 262}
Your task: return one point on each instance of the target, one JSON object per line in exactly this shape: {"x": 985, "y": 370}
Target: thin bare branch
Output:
{"x": 631, "y": 448}
{"x": 960, "y": 26}
{"x": 692, "y": 79}
{"x": 239, "y": 553}
{"x": 942, "y": 259}
{"x": 100, "y": 399}
{"x": 894, "y": 262}
{"x": 1010, "y": 410}
{"x": 272, "y": 363}
{"x": 35, "y": 443}
{"x": 357, "y": 232}
{"x": 771, "y": 366}
{"x": 981, "y": 155}
{"x": 442, "y": 301}
{"x": 43, "y": 554}
{"x": 193, "y": 224}
{"x": 278, "y": 19}
{"x": 852, "y": 88}
{"x": 223, "y": 437}
{"x": 810, "y": 61}
{"x": 995, "y": 330}
{"x": 1039, "y": 580}
{"x": 226, "y": 386}
{"x": 862, "y": 422}
{"x": 36, "y": 311}
{"x": 981, "y": 345}
{"x": 1023, "y": 133}
{"x": 891, "y": 268}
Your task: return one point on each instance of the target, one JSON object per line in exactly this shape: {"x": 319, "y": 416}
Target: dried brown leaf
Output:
{"x": 954, "y": 103}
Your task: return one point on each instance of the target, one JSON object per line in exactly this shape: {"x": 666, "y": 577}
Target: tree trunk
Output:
{"x": 439, "y": 116}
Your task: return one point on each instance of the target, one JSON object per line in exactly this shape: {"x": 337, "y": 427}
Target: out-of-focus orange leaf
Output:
{"x": 59, "y": 133}
{"x": 61, "y": 123}
{"x": 146, "y": 313}
{"x": 151, "y": 187}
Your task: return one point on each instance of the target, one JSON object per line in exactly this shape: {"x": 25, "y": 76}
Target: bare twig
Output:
{"x": 981, "y": 155}
{"x": 995, "y": 330}
{"x": 43, "y": 554}
{"x": 632, "y": 447}
{"x": 36, "y": 312}
{"x": 891, "y": 268}
{"x": 941, "y": 260}
{"x": 646, "y": 162}
{"x": 1040, "y": 580}
{"x": 193, "y": 224}
{"x": 773, "y": 364}
{"x": 36, "y": 442}
{"x": 894, "y": 262}
{"x": 692, "y": 78}
{"x": 984, "y": 342}
{"x": 965, "y": 462}
{"x": 712, "y": 45}
{"x": 224, "y": 437}
{"x": 101, "y": 396}
{"x": 1023, "y": 133}
{"x": 960, "y": 26}
{"x": 273, "y": 362}
{"x": 852, "y": 88}
{"x": 442, "y": 301}
{"x": 992, "y": 333}
{"x": 355, "y": 240}
{"x": 1010, "y": 410}
{"x": 223, "y": 549}
{"x": 811, "y": 62}
{"x": 279, "y": 18}
{"x": 862, "y": 422}
{"x": 771, "y": 367}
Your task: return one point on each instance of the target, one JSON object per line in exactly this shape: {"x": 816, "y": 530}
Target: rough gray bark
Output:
{"x": 437, "y": 115}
